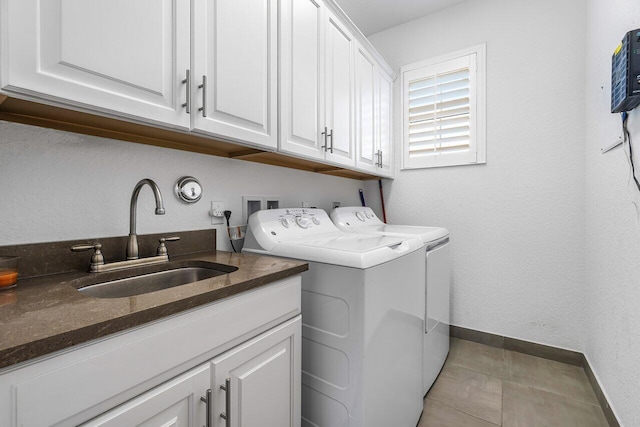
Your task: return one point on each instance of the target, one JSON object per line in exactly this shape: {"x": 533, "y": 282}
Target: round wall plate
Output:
{"x": 188, "y": 189}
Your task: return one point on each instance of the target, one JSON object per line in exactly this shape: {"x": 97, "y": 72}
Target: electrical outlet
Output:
{"x": 217, "y": 213}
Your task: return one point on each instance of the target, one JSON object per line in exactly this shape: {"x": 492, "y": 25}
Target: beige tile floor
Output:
{"x": 485, "y": 386}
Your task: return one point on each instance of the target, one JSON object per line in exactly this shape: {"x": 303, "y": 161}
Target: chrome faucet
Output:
{"x": 97, "y": 259}
{"x": 132, "y": 244}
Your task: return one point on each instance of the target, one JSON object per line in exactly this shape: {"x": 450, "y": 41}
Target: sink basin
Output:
{"x": 150, "y": 279}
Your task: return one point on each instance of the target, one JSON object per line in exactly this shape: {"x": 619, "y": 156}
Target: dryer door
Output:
{"x": 438, "y": 283}
{"x": 436, "y": 338}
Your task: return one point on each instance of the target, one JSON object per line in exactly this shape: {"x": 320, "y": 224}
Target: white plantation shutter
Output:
{"x": 440, "y": 109}
{"x": 439, "y": 114}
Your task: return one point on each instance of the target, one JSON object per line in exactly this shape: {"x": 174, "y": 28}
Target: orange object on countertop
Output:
{"x": 8, "y": 278}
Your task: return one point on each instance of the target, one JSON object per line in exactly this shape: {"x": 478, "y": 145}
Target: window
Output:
{"x": 443, "y": 105}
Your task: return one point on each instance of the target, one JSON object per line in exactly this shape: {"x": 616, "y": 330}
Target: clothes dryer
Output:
{"x": 362, "y": 318}
{"x": 437, "y": 265}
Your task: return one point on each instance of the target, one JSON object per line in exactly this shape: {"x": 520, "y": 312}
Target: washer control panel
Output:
{"x": 302, "y": 218}
{"x": 290, "y": 223}
{"x": 354, "y": 217}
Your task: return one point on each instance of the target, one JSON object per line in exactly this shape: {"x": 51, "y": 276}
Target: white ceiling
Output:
{"x": 372, "y": 16}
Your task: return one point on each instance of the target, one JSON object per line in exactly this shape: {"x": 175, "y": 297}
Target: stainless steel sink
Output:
{"x": 150, "y": 279}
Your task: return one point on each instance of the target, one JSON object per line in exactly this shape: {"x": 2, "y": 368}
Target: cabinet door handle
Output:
{"x": 325, "y": 139}
{"x": 331, "y": 136}
{"x": 187, "y": 81}
{"x": 207, "y": 400}
{"x": 226, "y": 415}
{"x": 380, "y": 158}
{"x": 203, "y": 86}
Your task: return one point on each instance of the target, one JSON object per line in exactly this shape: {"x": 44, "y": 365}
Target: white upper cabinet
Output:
{"x": 374, "y": 143}
{"x": 316, "y": 83}
{"x": 339, "y": 93}
{"x": 294, "y": 76}
{"x": 126, "y": 57}
{"x": 301, "y": 77}
{"x": 383, "y": 101}
{"x": 235, "y": 76}
{"x": 365, "y": 77}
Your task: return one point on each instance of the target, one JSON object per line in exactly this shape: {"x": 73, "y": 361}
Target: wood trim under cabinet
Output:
{"x": 47, "y": 116}
{"x": 569, "y": 357}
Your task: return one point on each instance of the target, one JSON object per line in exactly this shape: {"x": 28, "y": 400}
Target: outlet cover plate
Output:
{"x": 217, "y": 213}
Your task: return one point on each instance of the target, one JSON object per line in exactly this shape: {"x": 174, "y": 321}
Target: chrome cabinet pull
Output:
{"x": 207, "y": 400}
{"x": 187, "y": 81}
{"x": 331, "y": 136}
{"x": 379, "y": 162}
{"x": 325, "y": 139}
{"x": 226, "y": 415}
{"x": 203, "y": 86}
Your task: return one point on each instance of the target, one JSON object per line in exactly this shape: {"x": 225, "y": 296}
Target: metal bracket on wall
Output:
{"x": 612, "y": 146}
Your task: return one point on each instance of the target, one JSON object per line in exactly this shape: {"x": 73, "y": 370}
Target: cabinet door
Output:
{"x": 235, "y": 49}
{"x": 339, "y": 93}
{"x": 125, "y": 57}
{"x": 301, "y": 77}
{"x": 257, "y": 384}
{"x": 365, "y": 123}
{"x": 383, "y": 120}
{"x": 175, "y": 403}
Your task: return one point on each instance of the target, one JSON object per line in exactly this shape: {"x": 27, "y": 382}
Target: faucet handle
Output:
{"x": 162, "y": 248}
{"x": 96, "y": 259}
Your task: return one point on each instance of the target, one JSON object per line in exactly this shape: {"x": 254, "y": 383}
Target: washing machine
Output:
{"x": 437, "y": 265}
{"x": 362, "y": 318}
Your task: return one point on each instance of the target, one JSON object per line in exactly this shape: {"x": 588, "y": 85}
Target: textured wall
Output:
{"x": 60, "y": 186}
{"x": 516, "y": 222}
{"x": 612, "y": 230}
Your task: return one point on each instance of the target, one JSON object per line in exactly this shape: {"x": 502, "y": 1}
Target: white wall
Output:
{"x": 61, "y": 186}
{"x": 612, "y": 231}
{"x": 517, "y": 222}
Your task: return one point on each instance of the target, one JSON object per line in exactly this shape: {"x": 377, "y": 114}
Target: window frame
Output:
{"x": 476, "y": 57}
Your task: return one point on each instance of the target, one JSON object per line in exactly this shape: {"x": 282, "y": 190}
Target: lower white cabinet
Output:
{"x": 157, "y": 374}
{"x": 258, "y": 383}
{"x": 175, "y": 403}
{"x": 254, "y": 384}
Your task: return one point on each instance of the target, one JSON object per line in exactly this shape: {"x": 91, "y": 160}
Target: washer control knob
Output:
{"x": 360, "y": 215}
{"x": 368, "y": 215}
{"x": 302, "y": 222}
{"x": 284, "y": 222}
{"x": 315, "y": 220}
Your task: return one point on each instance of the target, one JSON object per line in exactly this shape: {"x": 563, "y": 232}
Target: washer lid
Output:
{"x": 320, "y": 240}
{"x": 347, "y": 242}
{"x": 364, "y": 220}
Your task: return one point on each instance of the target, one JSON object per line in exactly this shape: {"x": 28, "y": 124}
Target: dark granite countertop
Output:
{"x": 46, "y": 314}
